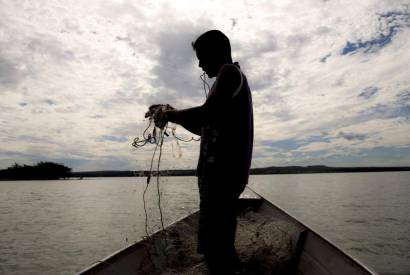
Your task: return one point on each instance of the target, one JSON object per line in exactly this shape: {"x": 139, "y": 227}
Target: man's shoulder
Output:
{"x": 230, "y": 68}
{"x": 231, "y": 72}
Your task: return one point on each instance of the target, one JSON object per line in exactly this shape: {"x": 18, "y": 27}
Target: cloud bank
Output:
{"x": 329, "y": 79}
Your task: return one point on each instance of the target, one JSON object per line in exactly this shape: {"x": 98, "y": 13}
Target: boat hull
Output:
{"x": 268, "y": 241}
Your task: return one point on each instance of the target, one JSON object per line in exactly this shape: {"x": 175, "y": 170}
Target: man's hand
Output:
{"x": 158, "y": 112}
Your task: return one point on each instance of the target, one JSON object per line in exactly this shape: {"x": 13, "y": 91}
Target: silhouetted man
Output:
{"x": 225, "y": 124}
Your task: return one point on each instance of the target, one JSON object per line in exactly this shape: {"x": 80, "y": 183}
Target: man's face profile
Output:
{"x": 207, "y": 63}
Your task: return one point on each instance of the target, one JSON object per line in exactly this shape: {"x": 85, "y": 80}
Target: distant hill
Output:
{"x": 321, "y": 169}
{"x": 254, "y": 171}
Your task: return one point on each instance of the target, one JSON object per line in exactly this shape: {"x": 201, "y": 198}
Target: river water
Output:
{"x": 61, "y": 227}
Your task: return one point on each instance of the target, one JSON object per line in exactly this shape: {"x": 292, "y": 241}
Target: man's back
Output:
{"x": 226, "y": 142}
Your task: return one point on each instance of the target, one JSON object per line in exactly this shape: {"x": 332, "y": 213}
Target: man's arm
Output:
{"x": 214, "y": 109}
{"x": 191, "y": 118}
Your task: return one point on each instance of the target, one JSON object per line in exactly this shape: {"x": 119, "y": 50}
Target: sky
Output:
{"x": 330, "y": 79}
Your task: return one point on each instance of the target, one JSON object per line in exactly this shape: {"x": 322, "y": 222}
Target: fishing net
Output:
{"x": 155, "y": 133}
{"x": 266, "y": 243}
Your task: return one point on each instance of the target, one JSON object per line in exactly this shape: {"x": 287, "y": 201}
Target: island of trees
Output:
{"x": 39, "y": 171}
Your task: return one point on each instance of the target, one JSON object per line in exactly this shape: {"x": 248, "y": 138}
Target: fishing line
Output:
{"x": 206, "y": 85}
{"x": 155, "y": 133}
{"x": 146, "y": 188}
{"x": 181, "y": 139}
{"x": 161, "y": 141}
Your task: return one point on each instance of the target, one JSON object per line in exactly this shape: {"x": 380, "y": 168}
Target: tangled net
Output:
{"x": 156, "y": 114}
{"x": 155, "y": 133}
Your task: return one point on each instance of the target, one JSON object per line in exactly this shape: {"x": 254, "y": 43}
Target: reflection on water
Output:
{"x": 50, "y": 227}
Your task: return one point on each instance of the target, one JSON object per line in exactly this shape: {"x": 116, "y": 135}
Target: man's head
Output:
{"x": 213, "y": 49}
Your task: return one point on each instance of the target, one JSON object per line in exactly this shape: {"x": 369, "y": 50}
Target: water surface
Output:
{"x": 61, "y": 227}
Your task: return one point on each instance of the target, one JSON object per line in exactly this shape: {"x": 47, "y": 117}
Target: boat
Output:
{"x": 268, "y": 240}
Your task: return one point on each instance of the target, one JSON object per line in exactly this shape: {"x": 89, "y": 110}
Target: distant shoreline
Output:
{"x": 254, "y": 171}
{"x": 273, "y": 170}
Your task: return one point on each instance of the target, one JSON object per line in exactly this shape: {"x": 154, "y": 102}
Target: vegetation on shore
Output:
{"x": 39, "y": 171}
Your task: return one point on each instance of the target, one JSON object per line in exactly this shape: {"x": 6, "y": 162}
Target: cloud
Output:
{"x": 113, "y": 138}
{"x": 27, "y": 55}
{"x": 369, "y": 92}
{"x": 390, "y": 24}
{"x": 404, "y": 97}
{"x": 331, "y": 87}
{"x": 323, "y": 59}
{"x": 174, "y": 75}
{"x": 282, "y": 145}
{"x": 351, "y": 136}
{"x": 10, "y": 74}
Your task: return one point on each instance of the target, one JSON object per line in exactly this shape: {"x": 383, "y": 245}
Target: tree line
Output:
{"x": 39, "y": 171}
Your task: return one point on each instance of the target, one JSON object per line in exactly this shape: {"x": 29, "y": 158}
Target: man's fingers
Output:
{"x": 158, "y": 112}
{"x": 154, "y": 106}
